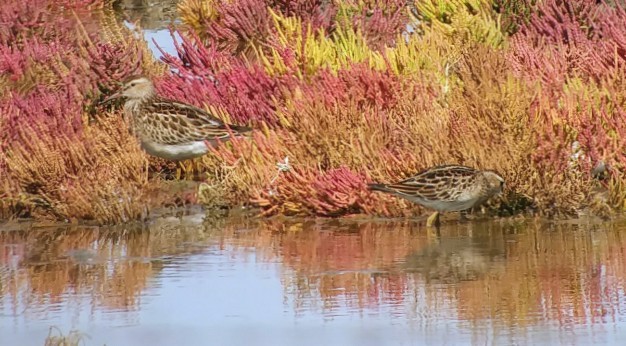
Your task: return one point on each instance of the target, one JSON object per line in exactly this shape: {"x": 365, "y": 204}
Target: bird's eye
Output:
{"x": 502, "y": 184}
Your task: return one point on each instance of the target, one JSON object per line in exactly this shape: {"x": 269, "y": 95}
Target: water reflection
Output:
{"x": 477, "y": 282}
{"x": 452, "y": 260}
{"x": 155, "y": 18}
{"x": 150, "y": 15}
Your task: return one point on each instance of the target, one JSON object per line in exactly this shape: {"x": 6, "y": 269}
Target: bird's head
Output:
{"x": 495, "y": 183}
{"x": 135, "y": 87}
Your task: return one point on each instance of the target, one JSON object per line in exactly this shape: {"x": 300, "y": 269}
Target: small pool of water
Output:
{"x": 155, "y": 19}
{"x": 282, "y": 282}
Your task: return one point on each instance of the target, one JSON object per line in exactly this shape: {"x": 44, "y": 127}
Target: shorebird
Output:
{"x": 446, "y": 188}
{"x": 170, "y": 129}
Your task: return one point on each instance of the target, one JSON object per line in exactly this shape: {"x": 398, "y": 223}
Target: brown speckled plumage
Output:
{"x": 168, "y": 128}
{"x": 446, "y": 188}
{"x": 170, "y": 122}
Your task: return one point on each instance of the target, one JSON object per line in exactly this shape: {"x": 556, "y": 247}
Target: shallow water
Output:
{"x": 241, "y": 281}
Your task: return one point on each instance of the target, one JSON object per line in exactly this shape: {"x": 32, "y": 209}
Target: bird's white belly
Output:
{"x": 175, "y": 152}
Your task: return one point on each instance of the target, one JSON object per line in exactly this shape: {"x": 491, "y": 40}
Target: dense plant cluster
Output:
{"x": 53, "y": 163}
{"x": 349, "y": 91}
{"x": 352, "y": 101}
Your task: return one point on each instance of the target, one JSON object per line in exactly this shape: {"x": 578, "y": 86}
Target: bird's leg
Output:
{"x": 463, "y": 214}
{"x": 147, "y": 169}
{"x": 180, "y": 168}
{"x": 433, "y": 218}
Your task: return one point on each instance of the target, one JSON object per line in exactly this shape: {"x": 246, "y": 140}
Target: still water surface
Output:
{"x": 240, "y": 281}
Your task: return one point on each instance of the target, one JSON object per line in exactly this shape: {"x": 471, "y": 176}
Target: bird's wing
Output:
{"x": 436, "y": 183}
{"x": 182, "y": 123}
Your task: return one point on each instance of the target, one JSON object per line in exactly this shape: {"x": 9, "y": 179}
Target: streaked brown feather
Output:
{"x": 167, "y": 128}
{"x": 446, "y": 188}
{"x": 182, "y": 123}
{"x": 436, "y": 183}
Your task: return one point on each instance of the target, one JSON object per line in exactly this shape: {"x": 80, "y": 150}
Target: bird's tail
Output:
{"x": 240, "y": 131}
{"x": 378, "y": 187}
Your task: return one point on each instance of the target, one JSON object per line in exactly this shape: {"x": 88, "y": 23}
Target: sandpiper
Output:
{"x": 170, "y": 129}
{"x": 446, "y": 188}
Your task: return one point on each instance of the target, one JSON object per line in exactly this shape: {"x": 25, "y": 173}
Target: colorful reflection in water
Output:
{"x": 189, "y": 281}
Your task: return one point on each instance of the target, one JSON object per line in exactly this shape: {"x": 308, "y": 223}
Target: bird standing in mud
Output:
{"x": 170, "y": 129}
{"x": 446, "y": 188}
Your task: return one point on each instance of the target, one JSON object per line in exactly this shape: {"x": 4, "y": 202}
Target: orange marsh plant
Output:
{"x": 59, "y": 159}
{"x": 346, "y": 112}
{"x": 341, "y": 94}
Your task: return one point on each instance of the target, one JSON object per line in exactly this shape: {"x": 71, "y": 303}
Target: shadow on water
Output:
{"x": 476, "y": 282}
